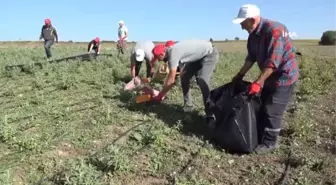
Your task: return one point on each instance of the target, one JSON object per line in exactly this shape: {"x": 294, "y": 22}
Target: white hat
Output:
{"x": 139, "y": 55}
{"x": 246, "y": 11}
{"x": 121, "y": 21}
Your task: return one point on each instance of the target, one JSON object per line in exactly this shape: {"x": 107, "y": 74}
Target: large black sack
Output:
{"x": 236, "y": 117}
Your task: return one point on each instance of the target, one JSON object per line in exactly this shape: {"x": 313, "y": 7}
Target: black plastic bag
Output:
{"x": 236, "y": 117}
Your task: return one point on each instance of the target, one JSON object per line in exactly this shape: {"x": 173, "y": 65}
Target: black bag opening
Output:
{"x": 236, "y": 117}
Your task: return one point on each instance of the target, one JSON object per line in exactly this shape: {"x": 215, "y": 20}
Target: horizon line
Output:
{"x": 71, "y": 41}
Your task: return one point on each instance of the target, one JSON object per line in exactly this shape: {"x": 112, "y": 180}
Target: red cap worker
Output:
{"x": 94, "y": 45}
{"x": 49, "y": 34}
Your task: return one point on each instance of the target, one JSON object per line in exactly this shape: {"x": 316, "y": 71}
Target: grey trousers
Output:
{"x": 274, "y": 102}
{"x": 203, "y": 70}
{"x": 47, "y": 47}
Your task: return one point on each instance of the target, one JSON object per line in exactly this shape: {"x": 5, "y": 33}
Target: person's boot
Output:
{"x": 268, "y": 143}
{"x": 265, "y": 147}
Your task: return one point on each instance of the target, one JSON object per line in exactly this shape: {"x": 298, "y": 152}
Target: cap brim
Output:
{"x": 238, "y": 20}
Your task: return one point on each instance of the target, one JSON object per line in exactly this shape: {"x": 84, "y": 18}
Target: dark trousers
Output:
{"x": 47, "y": 47}
{"x": 93, "y": 48}
{"x": 203, "y": 70}
{"x": 138, "y": 67}
{"x": 274, "y": 103}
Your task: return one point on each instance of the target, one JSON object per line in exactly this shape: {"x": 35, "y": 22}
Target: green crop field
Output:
{"x": 71, "y": 123}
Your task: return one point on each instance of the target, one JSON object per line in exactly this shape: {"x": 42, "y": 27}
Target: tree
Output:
{"x": 328, "y": 38}
{"x": 236, "y": 38}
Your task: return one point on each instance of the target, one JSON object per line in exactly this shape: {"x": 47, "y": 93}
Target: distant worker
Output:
{"x": 49, "y": 34}
{"x": 94, "y": 45}
{"x": 122, "y": 37}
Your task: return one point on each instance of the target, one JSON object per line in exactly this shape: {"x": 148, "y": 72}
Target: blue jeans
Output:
{"x": 47, "y": 47}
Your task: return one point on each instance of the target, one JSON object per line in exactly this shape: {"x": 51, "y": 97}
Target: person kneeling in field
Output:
{"x": 141, "y": 51}
{"x": 94, "y": 45}
{"x": 198, "y": 57}
{"x": 275, "y": 56}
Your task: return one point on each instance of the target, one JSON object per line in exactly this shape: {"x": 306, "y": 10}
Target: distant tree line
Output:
{"x": 328, "y": 38}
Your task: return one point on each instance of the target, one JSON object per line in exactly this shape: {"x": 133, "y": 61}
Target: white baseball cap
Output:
{"x": 139, "y": 55}
{"x": 246, "y": 11}
{"x": 121, "y": 21}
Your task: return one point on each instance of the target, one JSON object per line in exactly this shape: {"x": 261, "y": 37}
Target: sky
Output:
{"x": 83, "y": 20}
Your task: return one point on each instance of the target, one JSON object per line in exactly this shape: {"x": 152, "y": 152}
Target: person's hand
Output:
{"x": 158, "y": 98}
{"x": 254, "y": 88}
{"x": 238, "y": 77}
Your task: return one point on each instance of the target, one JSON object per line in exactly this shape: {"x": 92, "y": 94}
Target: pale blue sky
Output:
{"x": 82, "y": 20}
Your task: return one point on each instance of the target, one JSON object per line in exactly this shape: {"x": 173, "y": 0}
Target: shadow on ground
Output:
{"x": 39, "y": 65}
{"x": 191, "y": 123}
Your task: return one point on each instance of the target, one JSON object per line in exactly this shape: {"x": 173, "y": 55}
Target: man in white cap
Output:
{"x": 142, "y": 51}
{"x": 269, "y": 45}
{"x": 122, "y": 35}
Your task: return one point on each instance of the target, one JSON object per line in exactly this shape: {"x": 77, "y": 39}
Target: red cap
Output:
{"x": 169, "y": 43}
{"x": 97, "y": 39}
{"x": 47, "y": 21}
{"x": 159, "y": 50}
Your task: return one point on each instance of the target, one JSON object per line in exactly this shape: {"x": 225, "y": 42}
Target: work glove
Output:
{"x": 254, "y": 88}
{"x": 158, "y": 98}
{"x": 238, "y": 77}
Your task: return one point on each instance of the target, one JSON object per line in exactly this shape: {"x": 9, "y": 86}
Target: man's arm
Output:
{"x": 133, "y": 64}
{"x": 274, "y": 55}
{"x": 152, "y": 65}
{"x": 90, "y": 48}
{"x": 170, "y": 80}
{"x": 126, "y": 34}
{"x": 246, "y": 67}
{"x": 41, "y": 35}
{"x": 99, "y": 46}
{"x": 249, "y": 61}
{"x": 133, "y": 70}
{"x": 56, "y": 34}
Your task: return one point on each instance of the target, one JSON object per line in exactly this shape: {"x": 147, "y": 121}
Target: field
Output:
{"x": 71, "y": 123}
